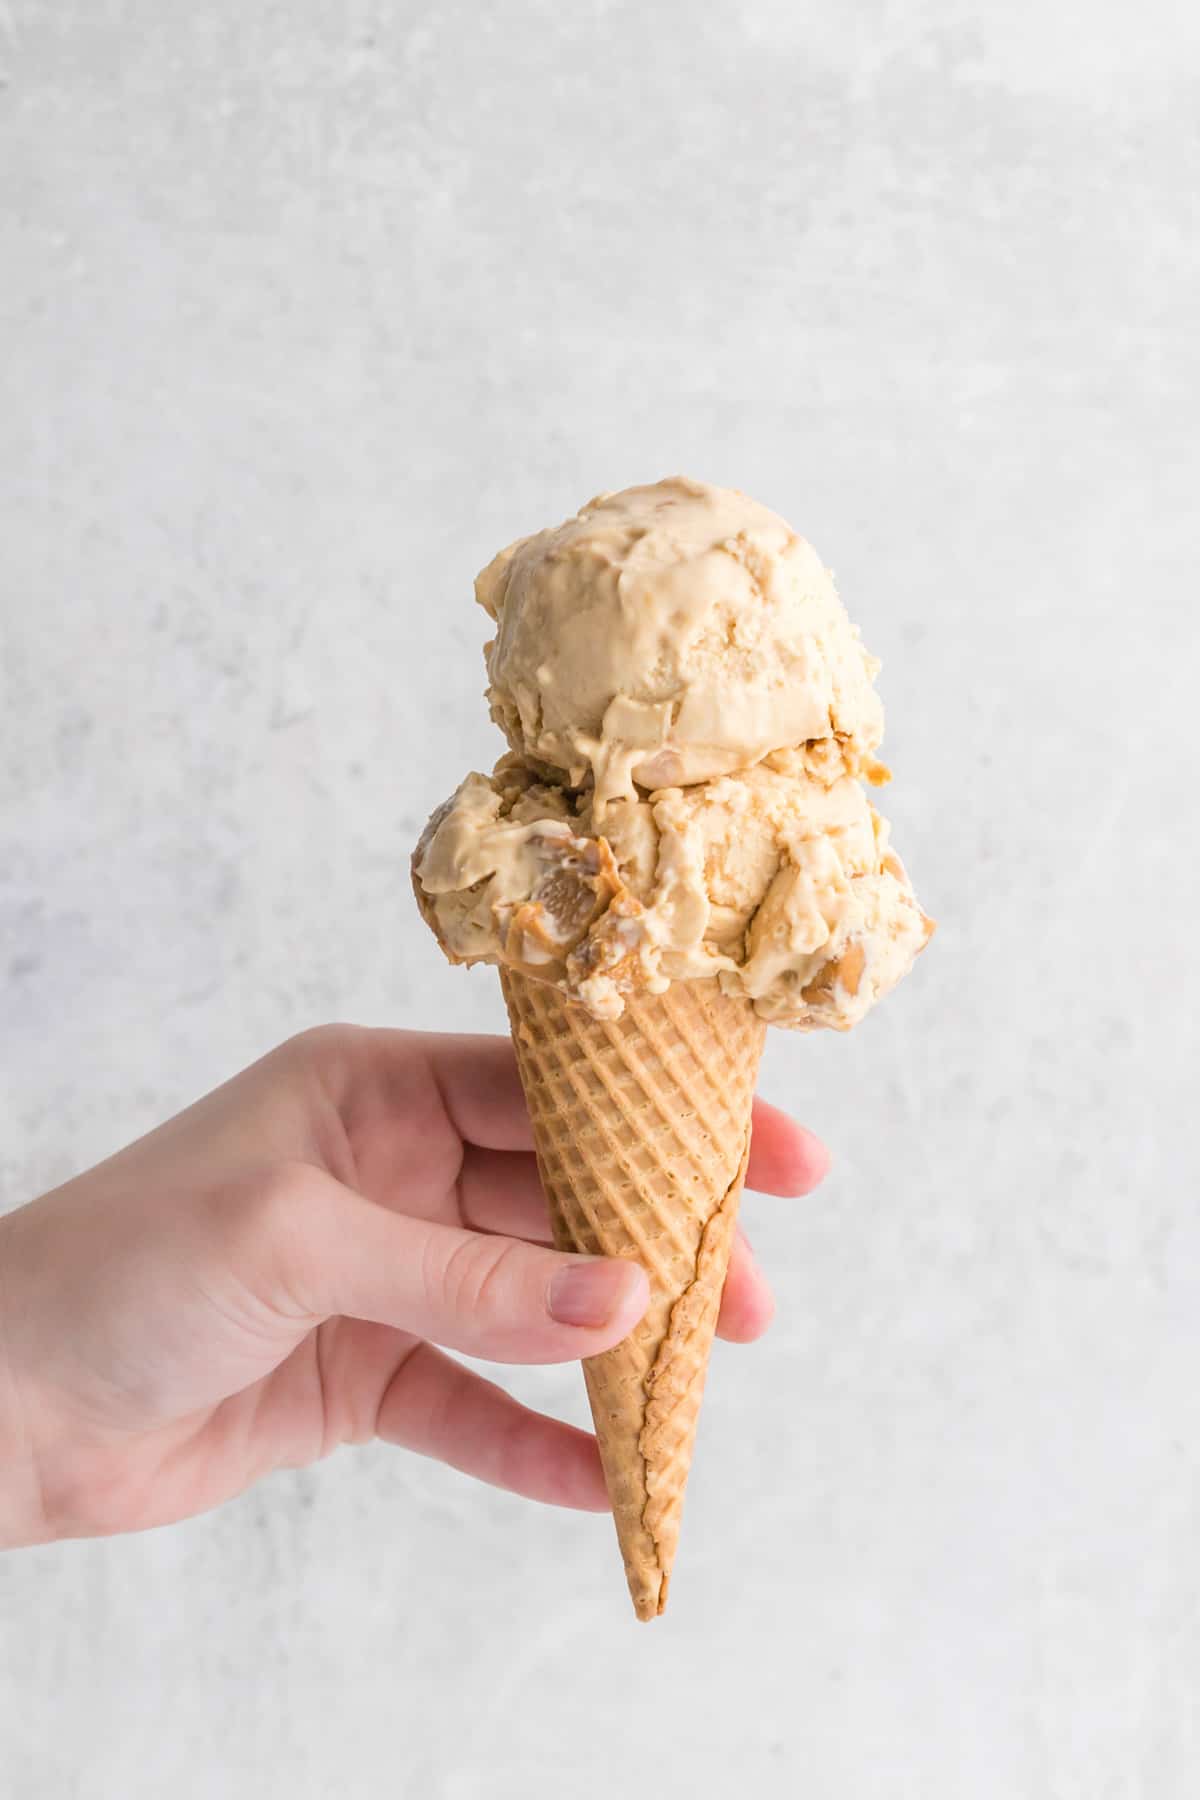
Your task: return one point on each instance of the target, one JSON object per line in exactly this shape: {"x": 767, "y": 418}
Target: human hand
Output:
{"x": 265, "y": 1277}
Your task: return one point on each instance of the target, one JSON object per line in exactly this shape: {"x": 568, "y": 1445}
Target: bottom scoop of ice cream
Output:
{"x": 778, "y": 883}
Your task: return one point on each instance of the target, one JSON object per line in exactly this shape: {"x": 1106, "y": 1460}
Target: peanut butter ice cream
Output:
{"x": 692, "y": 717}
{"x": 670, "y": 634}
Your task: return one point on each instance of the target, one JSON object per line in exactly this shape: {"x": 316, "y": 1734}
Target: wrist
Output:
{"x": 23, "y": 1519}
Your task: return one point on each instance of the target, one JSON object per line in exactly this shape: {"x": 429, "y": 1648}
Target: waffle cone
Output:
{"x": 642, "y": 1130}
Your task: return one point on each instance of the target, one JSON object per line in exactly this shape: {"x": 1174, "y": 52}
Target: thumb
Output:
{"x": 315, "y": 1249}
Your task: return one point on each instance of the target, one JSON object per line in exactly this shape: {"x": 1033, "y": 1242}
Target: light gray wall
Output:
{"x": 305, "y": 310}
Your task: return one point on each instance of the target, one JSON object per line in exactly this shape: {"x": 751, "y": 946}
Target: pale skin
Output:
{"x": 268, "y": 1275}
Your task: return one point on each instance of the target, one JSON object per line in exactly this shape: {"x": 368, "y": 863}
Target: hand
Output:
{"x": 265, "y": 1276}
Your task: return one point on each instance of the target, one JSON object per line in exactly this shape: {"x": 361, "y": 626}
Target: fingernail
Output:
{"x": 589, "y": 1293}
{"x": 746, "y": 1241}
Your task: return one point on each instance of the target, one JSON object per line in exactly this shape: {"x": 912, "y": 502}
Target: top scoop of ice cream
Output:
{"x": 670, "y": 634}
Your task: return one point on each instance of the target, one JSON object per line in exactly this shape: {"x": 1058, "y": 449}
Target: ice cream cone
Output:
{"x": 691, "y": 718}
{"x": 642, "y": 1130}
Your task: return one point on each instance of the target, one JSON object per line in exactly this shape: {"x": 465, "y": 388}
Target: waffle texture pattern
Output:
{"x": 642, "y": 1130}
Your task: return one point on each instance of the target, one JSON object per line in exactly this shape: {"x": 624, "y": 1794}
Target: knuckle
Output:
{"x": 513, "y": 1452}
{"x": 70, "y": 1502}
{"x": 275, "y": 1196}
{"x": 475, "y": 1275}
{"x": 86, "y": 1498}
{"x": 273, "y": 1211}
{"x": 322, "y": 1046}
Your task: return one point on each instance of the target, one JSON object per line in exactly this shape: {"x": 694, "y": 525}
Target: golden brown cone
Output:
{"x": 642, "y": 1129}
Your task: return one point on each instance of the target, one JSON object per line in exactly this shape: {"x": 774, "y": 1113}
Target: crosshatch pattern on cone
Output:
{"x": 642, "y": 1131}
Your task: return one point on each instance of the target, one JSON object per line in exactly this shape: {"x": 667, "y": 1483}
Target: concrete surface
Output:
{"x": 306, "y": 309}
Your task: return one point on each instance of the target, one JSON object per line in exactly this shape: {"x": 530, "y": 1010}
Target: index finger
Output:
{"x": 478, "y": 1080}
{"x": 402, "y": 1081}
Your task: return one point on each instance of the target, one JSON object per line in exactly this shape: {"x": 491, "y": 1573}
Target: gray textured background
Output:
{"x": 304, "y": 310}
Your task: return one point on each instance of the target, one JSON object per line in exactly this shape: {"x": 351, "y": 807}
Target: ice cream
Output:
{"x": 780, "y": 885}
{"x": 677, "y": 850}
{"x": 691, "y": 715}
{"x": 669, "y": 634}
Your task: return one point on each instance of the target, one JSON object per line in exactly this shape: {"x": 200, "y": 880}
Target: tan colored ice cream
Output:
{"x": 778, "y": 884}
{"x": 690, "y": 711}
{"x": 669, "y": 634}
